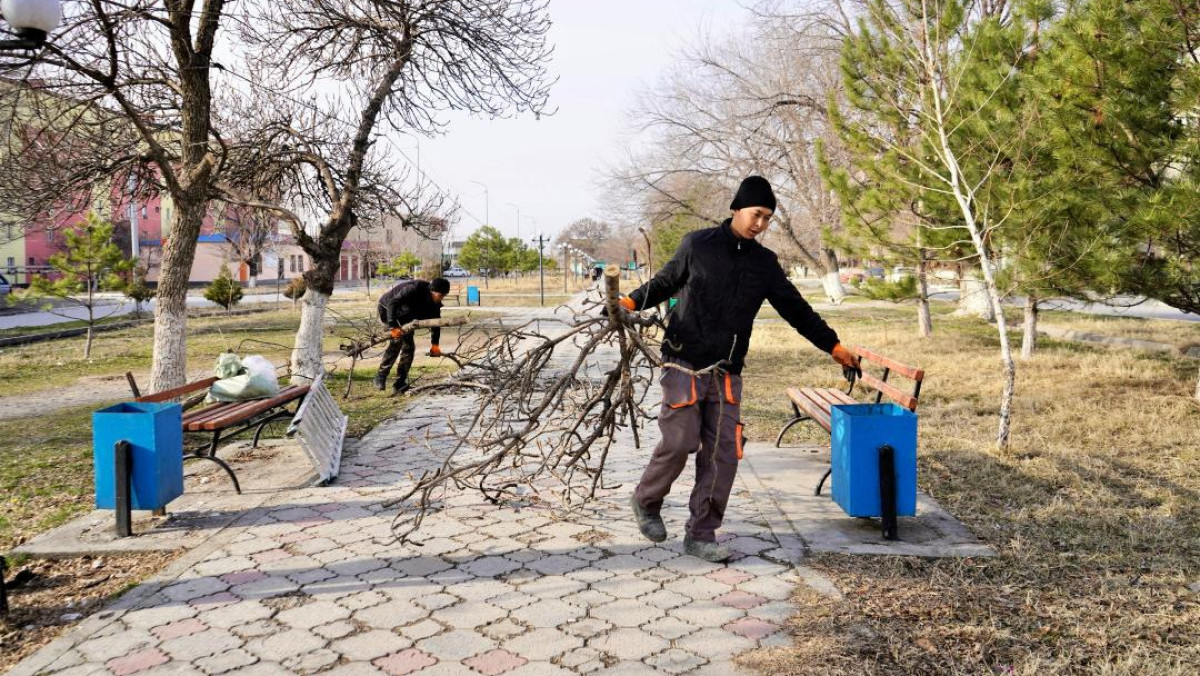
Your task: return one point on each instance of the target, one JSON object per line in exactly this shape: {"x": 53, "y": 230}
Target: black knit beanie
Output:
{"x": 754, "y": 192}
{"x": 439, "y": 285}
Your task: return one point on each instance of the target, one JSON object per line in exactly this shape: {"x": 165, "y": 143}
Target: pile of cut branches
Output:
{"x": 550, "y": 407}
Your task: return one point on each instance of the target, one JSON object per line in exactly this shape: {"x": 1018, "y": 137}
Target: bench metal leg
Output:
{"x": 225, "y": 466}
{"x": 822, "y": 481}
{"x": 799, "y": 417}
{"x": 270, "y": 419}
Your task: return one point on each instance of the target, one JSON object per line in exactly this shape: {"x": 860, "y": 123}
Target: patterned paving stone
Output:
{"x": 456, "y": 645}
{"x": 369, "y": 645}
{"x": 177, "y": 629}
{"x": 426, "y": 628}
{"x": 282, "y": 645}
{"x": 226, "y": 661}
{"x": 390, "y": 615}
{"x": 752, "y": 628}
{"x": 548, "y": 613}
{"x": 137, "y": 662}
{"x": 711, "y": 643}
{"x": 468, "y": 615}
{"x": 495, "y": 662}
{"x": 670, "y": 628}
{"x": 675, "y": 661}
{"x": 405, "y": 662}
{"x": 741, "y": 600}
{"x": 630, "y": 644}
{"x": 627, "y": 613}
{"x": 313, "y": 614}
{"x": 311, "y": 663}
{"x": 543, "y": 644}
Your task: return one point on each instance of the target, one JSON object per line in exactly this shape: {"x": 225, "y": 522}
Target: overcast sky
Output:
{"x": 605, "y": 52}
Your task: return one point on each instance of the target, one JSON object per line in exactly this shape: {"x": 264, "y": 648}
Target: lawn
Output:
{"x": 1094, "y": 509}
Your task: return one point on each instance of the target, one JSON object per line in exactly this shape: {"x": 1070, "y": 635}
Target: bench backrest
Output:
{"x": 174, "y": 393}
{"x": 880, "y": 384}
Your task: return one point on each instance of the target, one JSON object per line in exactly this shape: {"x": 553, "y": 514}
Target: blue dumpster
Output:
{"x": 858, "y": 431}
{"x": 472, "y": 295}
{"x": 155, "y": 431}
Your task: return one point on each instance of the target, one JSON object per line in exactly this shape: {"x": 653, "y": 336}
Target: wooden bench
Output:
{"x": 218, "y": 419}
{"x": 815, "y": 403}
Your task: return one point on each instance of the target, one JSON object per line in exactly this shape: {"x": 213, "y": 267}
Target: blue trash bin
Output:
{"x": 472, "y": 295}
{"x": 858, "y": 431}
{"x": 155, "y": 432}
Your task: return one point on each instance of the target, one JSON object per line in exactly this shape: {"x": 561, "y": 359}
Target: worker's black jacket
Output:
{"x": 722, "y": 281}
{"x": 409, "y": 300}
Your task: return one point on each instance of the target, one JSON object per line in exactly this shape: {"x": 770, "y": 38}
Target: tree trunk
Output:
{"x": 87, "y": 343}
{"x": 924, "y": 318}
{"x": 973, "y": 298}
{"x": 307, "y": 361}
{"x": 253, "y": 283}
{"x": 829, "y": 279}
{"x": 1198, "y": 388}
{"x": 169, "y": 366}
{"x": 1029, "y": 337}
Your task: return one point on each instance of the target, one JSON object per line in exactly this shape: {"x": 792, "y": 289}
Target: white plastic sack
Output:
{"x": 256, "y": 379}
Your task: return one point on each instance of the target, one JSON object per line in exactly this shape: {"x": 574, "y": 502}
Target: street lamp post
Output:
{"x": 487, "y": 218}
{"x": 518, "y": 208}
{"x": 541, "y": 242}
{"x": 31, "y": 21}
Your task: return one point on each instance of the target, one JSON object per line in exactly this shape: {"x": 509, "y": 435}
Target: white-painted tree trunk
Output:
{"x": 253, "y": 283}
{"x": 306, "y": 355}
{"x": 833, "y": 287}
{"x": 169, "y": 366}
{"x": 973, "y": 298}
{"x": 1029, "y": 335}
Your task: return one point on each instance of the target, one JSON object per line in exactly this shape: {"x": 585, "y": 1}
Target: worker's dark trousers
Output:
{"x": 405, "y": 348}
{"x": 698, "y": 414}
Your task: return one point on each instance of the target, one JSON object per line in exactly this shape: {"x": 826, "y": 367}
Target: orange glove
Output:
{"x": 627, "y": 303}
{"x": 845, "y": 357}
{"x": 435, "y": 351}
{"x": 397, "y": 333}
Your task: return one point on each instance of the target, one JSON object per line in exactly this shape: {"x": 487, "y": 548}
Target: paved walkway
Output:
{"x": 314, "y": 583}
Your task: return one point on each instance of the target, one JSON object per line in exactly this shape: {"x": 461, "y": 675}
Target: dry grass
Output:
{"x": 1094, "y": 510}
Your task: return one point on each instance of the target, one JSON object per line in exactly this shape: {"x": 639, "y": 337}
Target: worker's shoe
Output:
{"x": 399, "y": 388}
{"x": 709, "y": 551}
{"x": 381, "y": 381}
{"x": 651, "y": 525}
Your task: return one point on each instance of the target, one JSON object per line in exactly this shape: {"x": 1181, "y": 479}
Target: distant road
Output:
{"x": 1121, "y": 307}
{"x": 117, "y": 307}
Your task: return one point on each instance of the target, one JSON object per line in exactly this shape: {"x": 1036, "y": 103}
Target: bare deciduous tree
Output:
{"x": 131, "y": 95}
{"x": 400, "y": 65}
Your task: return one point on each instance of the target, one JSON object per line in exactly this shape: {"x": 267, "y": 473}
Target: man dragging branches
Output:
{"x": 407, "y": 301}
{"x": 722, "y": 275}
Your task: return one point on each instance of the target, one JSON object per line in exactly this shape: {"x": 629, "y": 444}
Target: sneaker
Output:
{"x": 381, "y": 381}
{"x": 651, "y": 525}
{"x": 709, "y": 551}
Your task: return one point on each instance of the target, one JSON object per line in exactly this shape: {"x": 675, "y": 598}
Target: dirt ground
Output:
{"x": 87, "y": 390}
{"x": 48, "y": 596}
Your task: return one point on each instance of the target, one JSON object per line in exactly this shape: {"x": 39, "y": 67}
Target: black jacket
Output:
{"x": 722, "y": 281}
{"x": 409, "y": 300}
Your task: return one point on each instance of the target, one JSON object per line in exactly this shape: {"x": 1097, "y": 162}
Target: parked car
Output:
{"x": 899, "y": 273}
{"x": 455, "y": 271}
{"x": 5, "y": 287}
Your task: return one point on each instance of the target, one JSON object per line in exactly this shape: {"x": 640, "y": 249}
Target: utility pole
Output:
{"x": 564, "y": 267}
{"x": 541, "y": 242}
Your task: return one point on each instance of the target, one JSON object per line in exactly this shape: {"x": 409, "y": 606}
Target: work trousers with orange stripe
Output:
{"x": 701, "y": 415}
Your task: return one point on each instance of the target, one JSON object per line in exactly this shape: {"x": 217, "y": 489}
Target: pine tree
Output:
{"x": 92, "y": 262}
{"x": 935, "y": 131}
{"x": 223, "y": 290}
